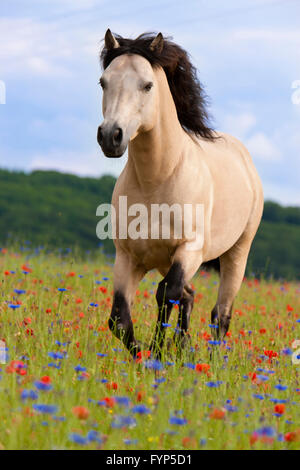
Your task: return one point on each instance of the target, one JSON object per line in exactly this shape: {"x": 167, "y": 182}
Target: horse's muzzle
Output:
{"x": 111, "y": 141}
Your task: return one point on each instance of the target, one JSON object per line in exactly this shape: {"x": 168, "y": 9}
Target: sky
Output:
{"x": 247, "y": 55}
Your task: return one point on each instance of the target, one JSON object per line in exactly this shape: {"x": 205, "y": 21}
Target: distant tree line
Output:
{"x": 57, "y": 210}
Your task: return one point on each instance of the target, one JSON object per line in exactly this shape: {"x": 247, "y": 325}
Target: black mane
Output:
{"x": 189, "y": 97}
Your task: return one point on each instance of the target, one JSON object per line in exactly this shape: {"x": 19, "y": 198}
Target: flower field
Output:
{"x": 67, "y": 383}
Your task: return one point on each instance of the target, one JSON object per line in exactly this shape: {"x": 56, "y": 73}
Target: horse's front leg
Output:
{"x": 171, "y": 290}
{"x": 126, "y": 278}
{"x": 181, "y": 337}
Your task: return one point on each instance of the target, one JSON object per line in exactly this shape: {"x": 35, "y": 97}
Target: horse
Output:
{"x": 154, "y": 104}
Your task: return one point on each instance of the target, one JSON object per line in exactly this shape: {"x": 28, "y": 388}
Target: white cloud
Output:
{"x": 35, "y": 48}
{"x": 239, "y": 125}
{"x": 74, "y": 5}
{"x": 261, "y": 147}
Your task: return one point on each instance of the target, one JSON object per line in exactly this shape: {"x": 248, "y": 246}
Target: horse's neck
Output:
{"x": 153, "y": 155}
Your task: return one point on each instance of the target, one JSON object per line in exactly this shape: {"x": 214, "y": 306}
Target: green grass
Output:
{"x": 176, "y": 390}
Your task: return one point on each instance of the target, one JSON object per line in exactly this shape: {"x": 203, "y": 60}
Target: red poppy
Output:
{"x": 26, "y": 268}
{"x": 112, "y": 385}
{"x": 202, "y": 367}
{"x": 109, "y": 401}
{"x": 218, "y": 413}
{"x": 279, "y": 408}
{"x": 270, "y": 354}
{"x": 80, "y": 412}
{"x": 292, "y": 436}
{"x": 45, "y": 379}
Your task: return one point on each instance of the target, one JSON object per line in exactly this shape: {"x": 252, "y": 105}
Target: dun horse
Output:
{"x": 154, "y": 104}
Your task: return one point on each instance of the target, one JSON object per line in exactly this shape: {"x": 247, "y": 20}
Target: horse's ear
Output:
{"x": 110, "y": 40}
{"x": 157, "y": 44}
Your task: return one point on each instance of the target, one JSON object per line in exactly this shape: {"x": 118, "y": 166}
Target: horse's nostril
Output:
{"x": 117, "y": 136}
{"x": 100, "y": 135}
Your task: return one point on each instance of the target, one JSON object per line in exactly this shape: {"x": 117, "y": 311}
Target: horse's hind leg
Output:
{"x": 181, "y": 336}
{"x": 232, "y": 270}
{"x": 126, "y": 278}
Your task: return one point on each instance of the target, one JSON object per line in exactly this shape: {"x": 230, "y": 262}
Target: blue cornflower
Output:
{"x": 153, "y": 364}
{"x": 263, "y": 378}
{"x": 129, "y": 442}
{"x": 78, "y": 439}
{"x": 189, "y": 365}
{"x": 177, "y": 421}
{"x": 93, "y": 436}
{"x": 59, "y": 418}
{"x": 29, "y": 394}
{"x": 231, "y": 408}
{"x": 287, "y": 352}
{"x": 43, "y": 386}
{"x": 79, "y": 368}
{"x": 56, "y": 366}
{"x": 45, "y": 408}
{"x": 260, "y": 397}
{"x": 140, "y": 409}
{"x": 123, "y": 422}
{"x": 62, "y": 289}
{"x": 266, "y": 431}
{"x": 14, "y": 306}
{"x": 56, "y": 355}
{"x": 280, "y": 387}
{"x": 124, "y": 401}
{"x": 278, "y": 400}
{"x": 160, "y": 380}
{"x": 61, "y": 344}
{"x": 214, "y": 384}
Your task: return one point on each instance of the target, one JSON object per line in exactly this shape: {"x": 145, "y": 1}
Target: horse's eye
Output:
{"x": 148, "y": 86}
{"x": 101, "y": 83}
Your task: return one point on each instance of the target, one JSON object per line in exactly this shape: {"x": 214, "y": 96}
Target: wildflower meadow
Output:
{"x": 67, "y": 383}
